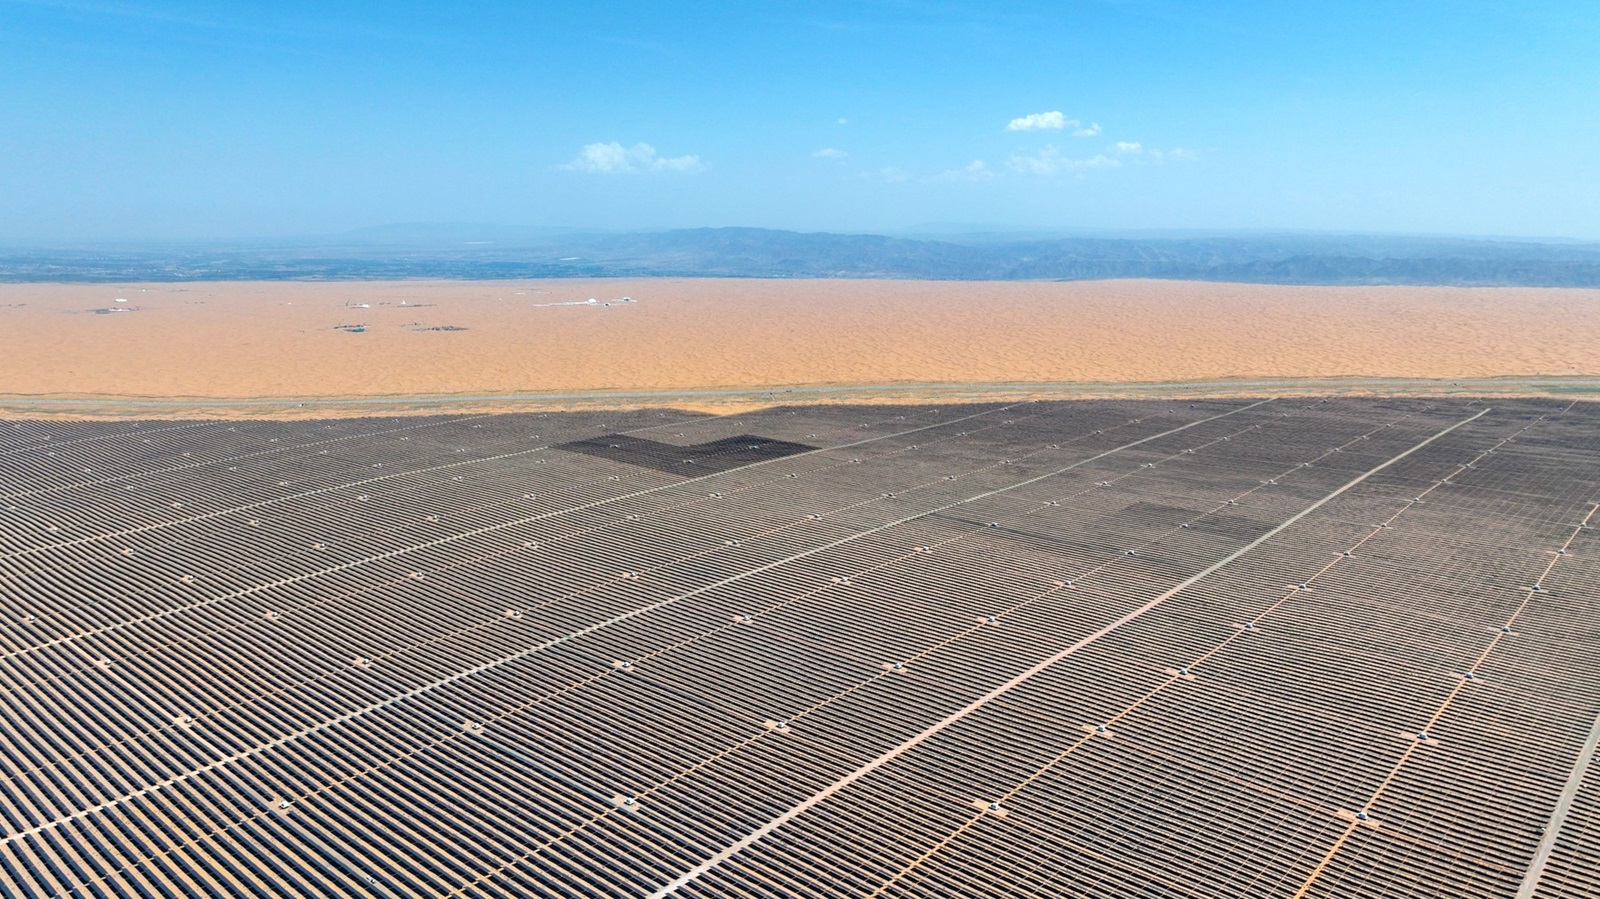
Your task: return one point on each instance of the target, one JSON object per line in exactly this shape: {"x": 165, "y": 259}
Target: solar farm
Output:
{"x": 1298, "y": 647}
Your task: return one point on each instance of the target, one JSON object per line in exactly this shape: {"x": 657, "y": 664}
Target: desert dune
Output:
{"x": 240, "y": 340}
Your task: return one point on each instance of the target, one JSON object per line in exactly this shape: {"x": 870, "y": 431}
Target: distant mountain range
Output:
{"x": 477, "y": 252}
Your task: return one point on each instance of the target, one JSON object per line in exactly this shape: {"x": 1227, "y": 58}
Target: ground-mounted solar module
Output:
{"x": 1289, "y": 648}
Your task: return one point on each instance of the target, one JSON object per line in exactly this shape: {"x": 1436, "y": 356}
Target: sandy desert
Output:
{"x": 319, "y": 341}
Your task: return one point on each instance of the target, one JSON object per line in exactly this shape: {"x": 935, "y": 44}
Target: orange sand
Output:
{"x": 277, "y": 339}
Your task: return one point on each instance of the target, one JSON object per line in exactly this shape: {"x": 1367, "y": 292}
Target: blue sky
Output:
{"x": 178, "y": 120}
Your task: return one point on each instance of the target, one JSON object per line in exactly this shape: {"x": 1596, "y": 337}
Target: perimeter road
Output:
{"x": 1037, "y": 390}
{"x": 822, "y": 795}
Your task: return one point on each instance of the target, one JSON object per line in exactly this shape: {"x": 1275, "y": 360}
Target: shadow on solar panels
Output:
{"x": 702, "y": 458}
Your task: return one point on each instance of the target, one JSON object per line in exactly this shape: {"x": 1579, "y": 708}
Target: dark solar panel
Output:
{"x": 1305, "y": 647}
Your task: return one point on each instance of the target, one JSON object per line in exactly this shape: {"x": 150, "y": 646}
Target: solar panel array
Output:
{"x": 1291, "y": 648}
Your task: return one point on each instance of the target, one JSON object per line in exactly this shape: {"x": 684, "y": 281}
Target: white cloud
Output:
{"x": 683, "y": 165}
{"x": 1152, "y": 154}
{"x": 829, "y": 153}
{"x": 1049, "y": 161}
{"x": 615, "y": 159}
{"x": 844, "y": 121}
{"x": 1042, "y": 121}
{"x": 976, "y": 170}
{"x": 888, "y": 175}
{"x": 1054, "y": 120}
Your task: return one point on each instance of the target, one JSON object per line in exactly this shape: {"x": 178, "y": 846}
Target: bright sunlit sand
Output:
{"x": 354, "y": 339}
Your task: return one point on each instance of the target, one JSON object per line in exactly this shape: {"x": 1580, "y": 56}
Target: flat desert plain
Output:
{"x": 325, "y": 340}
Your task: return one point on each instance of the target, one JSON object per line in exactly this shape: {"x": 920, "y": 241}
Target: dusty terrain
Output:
{"x": 240, "y": 340}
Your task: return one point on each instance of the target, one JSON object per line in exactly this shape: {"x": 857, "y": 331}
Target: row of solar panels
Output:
{"x": 770, "y": 667}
